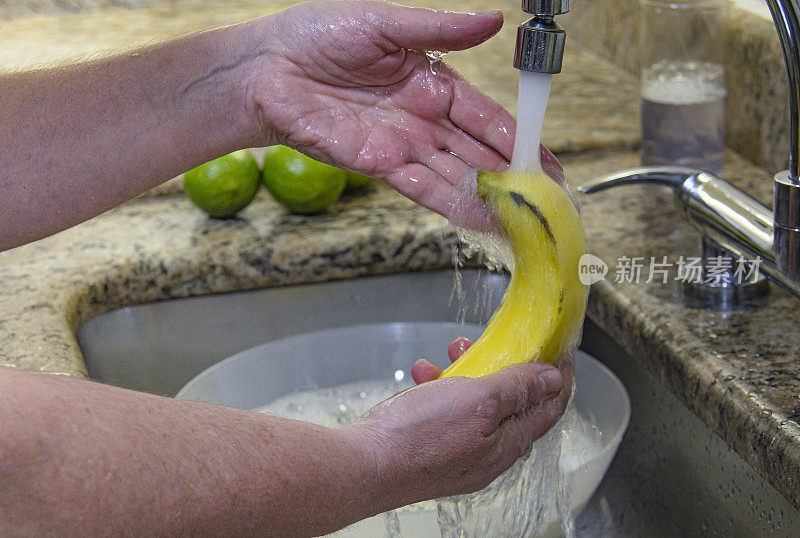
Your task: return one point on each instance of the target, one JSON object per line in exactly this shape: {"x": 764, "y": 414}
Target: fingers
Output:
{"x": 519, "y": 432}
{"x": 426, "y": 29}
{"x": 520, "y": 387}
{"x": 567, "y": 367}
{"x": 482, "y": 118}
{"x": 455, "y": 202}
{"x": 472, "y": 151}
{"x": 421, "y": 184}
{"x": 551, "y": 166}
{"x": 457, "y": 348}
{"x": 447, "y": 165}
{"x": 537, "y": 405}
{"x": 522, "y": 429}
{"x": 430, "y": 189}
{"x": 423, "y": 371}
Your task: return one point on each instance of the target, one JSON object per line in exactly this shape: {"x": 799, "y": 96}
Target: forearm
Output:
{"x": 80, "y": 139}
{"x": 77, "y": 458}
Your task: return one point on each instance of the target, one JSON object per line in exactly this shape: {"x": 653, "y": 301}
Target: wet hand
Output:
{"x": 348, "y": 84}
{"x": 456, "y": 435}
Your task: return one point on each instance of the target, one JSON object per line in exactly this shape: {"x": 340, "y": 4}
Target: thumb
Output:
{"x": 521, "y": 387}
{"x": 427, "y": 29}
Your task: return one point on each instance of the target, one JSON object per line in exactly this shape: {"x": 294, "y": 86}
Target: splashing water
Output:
{"x": 482, "y": 292}
{"x": 520, "y": 502}
{"x": 532, "y": 498}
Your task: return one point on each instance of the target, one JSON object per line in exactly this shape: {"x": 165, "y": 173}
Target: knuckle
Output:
{"x": 489, "y": 410}
{"x": 524, "y": 386}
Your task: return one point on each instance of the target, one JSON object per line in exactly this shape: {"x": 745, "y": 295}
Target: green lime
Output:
{"x": 356, "y": 181}
{"x": 224, "y": 186}
{"x": 300, "y": 183}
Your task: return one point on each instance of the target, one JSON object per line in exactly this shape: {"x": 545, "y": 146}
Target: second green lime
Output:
{"x": 224, "y": 186}
{"x": 356, "y": 180}
{"x": 300, "y": 183}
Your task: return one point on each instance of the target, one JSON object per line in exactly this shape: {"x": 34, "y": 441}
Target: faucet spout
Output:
{"x": 540, "y": 41}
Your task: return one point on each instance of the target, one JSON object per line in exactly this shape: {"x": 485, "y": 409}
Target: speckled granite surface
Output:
{"x": 164, "y": 247}
{"x": 738, "y": 372}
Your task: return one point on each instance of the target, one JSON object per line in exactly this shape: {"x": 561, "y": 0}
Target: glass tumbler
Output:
{"x": 683, "y": 83}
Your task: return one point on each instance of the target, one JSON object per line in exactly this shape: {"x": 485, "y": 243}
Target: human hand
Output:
{"x": 349, "y": 84}
{"x": 456, "y": 435}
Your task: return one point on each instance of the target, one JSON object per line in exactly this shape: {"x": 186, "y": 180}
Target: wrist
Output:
{"x": 255, "y": 53}
{"x": 220, "y": 85}
{"x": 382, "y": 464}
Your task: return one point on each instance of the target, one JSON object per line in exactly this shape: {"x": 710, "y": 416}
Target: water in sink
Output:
{"x": 520, "y": 502}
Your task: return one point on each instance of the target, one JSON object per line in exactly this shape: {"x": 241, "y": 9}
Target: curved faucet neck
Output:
{"x": 786, "y": 14}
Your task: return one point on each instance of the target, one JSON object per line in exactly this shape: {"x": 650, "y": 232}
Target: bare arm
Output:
{"x": 81, "y": 139}
{"x": 338, "y": 81}
{"x": 80, "y": 458}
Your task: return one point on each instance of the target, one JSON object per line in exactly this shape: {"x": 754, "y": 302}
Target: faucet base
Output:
{"x": 725, "y": 296}
{"x": 724, "y": 290}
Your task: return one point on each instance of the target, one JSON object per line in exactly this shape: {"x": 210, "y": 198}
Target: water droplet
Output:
{"x": 435, "y": 59}
{"x": 399, "y": 375}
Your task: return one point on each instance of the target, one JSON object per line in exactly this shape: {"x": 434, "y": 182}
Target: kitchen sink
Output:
{"x": 672, "y": 475}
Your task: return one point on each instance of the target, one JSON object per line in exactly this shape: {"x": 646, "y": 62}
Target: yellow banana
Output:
{"x": 543, "y": 308}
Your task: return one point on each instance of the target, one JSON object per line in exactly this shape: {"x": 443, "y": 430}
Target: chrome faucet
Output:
{"x": 730, "y": 221}
{"x": 540, "y": 41}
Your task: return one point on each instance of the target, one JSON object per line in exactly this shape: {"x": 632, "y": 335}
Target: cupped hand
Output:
{"x": 348, "y": 83}
{"x": 456, "y": 435}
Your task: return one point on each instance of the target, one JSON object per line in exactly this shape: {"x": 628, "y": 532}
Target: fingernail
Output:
{"x": 551, "y": 379}
{"x": 488, "y": 13}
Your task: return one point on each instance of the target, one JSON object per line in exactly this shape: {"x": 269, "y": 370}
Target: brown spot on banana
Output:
{"x": 520, "y": 200}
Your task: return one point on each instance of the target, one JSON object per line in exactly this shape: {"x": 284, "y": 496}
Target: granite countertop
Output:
{"x": 737, "y": 371}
